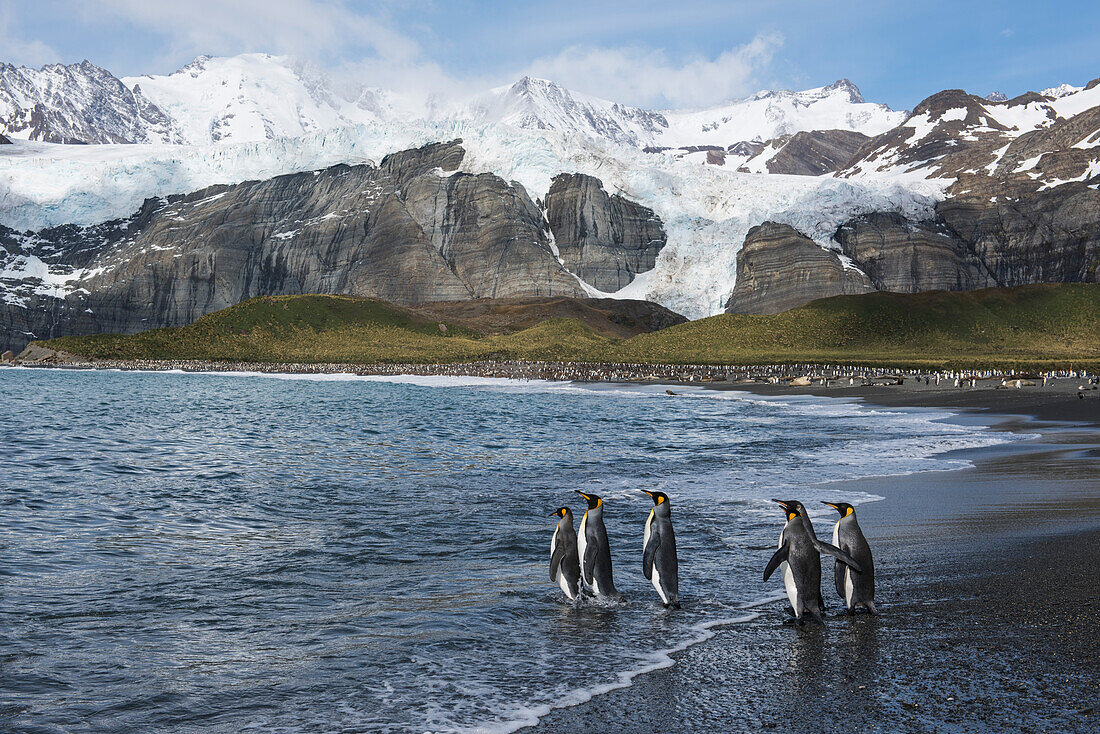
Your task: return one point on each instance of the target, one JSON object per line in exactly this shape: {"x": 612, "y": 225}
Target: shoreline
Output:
{"x": 980, "y": 556}
{"x": 1065, "y": 395}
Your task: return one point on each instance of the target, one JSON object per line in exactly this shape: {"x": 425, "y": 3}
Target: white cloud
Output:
{"x": 649, "y": 78}
{"x": 317, "y": 30}
{"x": 363, "y": 49}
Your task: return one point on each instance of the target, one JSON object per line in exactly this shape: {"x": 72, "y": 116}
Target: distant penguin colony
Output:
{"x": 581, "y": 564}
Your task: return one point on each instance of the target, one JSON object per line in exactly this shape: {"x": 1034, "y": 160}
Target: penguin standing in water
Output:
{"x": 857, "y": 589}
{"x": 565, "y": 564}
{"x": 800, "y": 549}
{"x": 659, "y": 551}
{"x": 595, "y": 553}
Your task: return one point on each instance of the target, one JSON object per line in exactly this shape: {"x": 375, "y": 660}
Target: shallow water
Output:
{"x": 187, "y": 552}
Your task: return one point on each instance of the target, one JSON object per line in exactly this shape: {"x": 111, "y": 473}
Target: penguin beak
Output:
{"x": 646, "y": 491}
{"x": 784, "y": 504}
{"x": 582, "y": 494}
{"x": 831, "y": 504}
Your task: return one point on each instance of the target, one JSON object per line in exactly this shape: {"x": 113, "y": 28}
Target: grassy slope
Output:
{"x": 1031, "y": 325}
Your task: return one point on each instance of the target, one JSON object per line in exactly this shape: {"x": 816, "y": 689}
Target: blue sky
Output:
{"x": 657, "y": 54}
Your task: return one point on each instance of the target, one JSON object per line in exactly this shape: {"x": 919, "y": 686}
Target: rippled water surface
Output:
{"x": 225, "y": 552}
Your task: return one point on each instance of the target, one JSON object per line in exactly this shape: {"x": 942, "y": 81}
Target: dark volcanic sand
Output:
{"x": 989, "y": 584}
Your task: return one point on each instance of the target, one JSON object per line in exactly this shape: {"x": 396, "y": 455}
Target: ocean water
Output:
{"x": 186, "y": 552}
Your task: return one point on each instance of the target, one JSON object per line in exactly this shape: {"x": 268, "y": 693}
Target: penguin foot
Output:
{"x": 870, "y": 605}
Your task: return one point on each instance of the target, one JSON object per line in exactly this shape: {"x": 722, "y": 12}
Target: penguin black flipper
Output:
{"x": 650, "y": 554}
{"x": 588, "y": 563}
{"x": 555, "y": 561}
{"x": 837, "y": 553}
{"x": 838, "y": 576}
{"x": 777, "y": 558}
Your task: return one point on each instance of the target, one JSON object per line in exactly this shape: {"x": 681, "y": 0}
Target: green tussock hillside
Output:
{"x": 1029, "y": 326}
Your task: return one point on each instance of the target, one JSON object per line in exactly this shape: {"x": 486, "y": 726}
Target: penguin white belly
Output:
{"x": 849, "y": 587}
{"x": 792, "y": 589}
{"x": 554, "y": 547}
{"x": 657, "y": 584}
{"x": 656, "y": 575}
{"x": 582, "y": 545}
{"x": 564, "y": 584}
{"x": 788, "y": 579}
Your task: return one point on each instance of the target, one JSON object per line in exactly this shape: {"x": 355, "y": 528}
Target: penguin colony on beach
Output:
{"x": 580, "y": 563}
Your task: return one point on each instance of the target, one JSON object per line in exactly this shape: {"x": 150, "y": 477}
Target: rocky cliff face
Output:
{"x": 779, "y": 269}
{"x": 409, "y": 230}
{"x": 817, "y": 152}
{"x": 909, "y": 257}
{"x": 1024, "y": 205}
{"x": 604, "y": 239}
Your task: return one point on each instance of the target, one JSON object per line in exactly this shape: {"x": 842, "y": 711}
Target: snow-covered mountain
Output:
{"x": 953, "y": 133}
{"x": 253, "y": 97}
{"x": 79, "y": 103}
{"x": 768, "y": 115}
{"x": 538, "y": 104}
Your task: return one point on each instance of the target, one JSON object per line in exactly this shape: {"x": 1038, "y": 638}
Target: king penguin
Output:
{"x": 565, "y": 563}
{"x": 857, "y": 589}
{"x": 800, "y": 549}
{"x": 595, "y": 553}
{"x": 659, "y": 551}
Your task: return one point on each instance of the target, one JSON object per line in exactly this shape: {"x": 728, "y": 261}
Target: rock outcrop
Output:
{"x": 816, "y": 152}
{"x": 4, "y": 141}
{"x": 909, "y": 257}
{"x": 779, "y": 268}
{"x": 412, "y": 229}
{"x": 604, "y": 239}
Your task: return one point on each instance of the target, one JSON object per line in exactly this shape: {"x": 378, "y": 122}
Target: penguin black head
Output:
{"x": 594, "y": 501}
{"x": 561, "y": 512}
{"x": 842, "y": 507}
{"x": 658, "y": 497}
{"x": 791, "y": 508}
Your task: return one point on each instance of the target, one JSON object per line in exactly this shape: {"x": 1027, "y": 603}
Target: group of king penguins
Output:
{"x": 580, "y": 562}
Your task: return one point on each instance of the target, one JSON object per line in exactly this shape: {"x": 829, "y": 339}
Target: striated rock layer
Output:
{"x": 604, "y": 239}
{"x": 816, "y": 152}
{"x": 909, "y": 257}
{"x": 778, "y": 269}
{"x": 411, "y": 230}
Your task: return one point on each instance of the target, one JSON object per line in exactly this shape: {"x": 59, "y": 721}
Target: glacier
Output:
{"x": 707, "y": 210}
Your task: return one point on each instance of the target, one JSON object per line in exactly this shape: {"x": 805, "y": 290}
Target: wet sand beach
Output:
{"x": 988, "y": 583}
